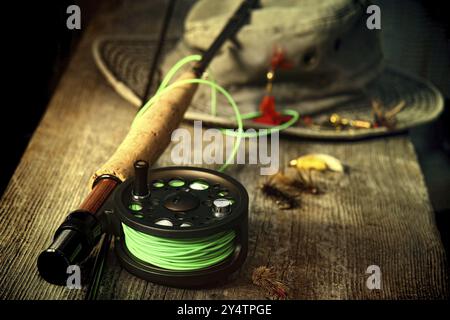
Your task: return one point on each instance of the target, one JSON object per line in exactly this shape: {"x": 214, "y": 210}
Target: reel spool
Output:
{"x": 180, "y": 226}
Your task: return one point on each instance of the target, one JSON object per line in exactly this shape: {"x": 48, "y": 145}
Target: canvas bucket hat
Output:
{"x": 337, "y": 66}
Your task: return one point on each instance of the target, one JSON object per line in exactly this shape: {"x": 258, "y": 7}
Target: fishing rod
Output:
{"x": 147, "y": 139}
{"x": 158, "y": 51}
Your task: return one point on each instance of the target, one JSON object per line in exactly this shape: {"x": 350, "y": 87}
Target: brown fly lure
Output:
{"x": 284, "y": 200}
{"x": 266, "y": 278}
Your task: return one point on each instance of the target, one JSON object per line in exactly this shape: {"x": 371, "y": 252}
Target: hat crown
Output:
{"x": 328, "y": 42}
{"x": 300, "y": 14}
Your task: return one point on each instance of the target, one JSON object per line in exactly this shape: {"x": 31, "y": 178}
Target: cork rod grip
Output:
{"x": 150, "y": 134}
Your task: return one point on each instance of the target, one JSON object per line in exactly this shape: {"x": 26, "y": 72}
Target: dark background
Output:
{"x": 38, "y": 46}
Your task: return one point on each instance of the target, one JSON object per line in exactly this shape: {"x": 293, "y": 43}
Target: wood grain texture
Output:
{"x": 379, "y": 213}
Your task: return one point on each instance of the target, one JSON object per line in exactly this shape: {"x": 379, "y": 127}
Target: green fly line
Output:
{"x": 165, "y": 87}
{"x": 180, "y": 254}
{"x": 202, "y": 252}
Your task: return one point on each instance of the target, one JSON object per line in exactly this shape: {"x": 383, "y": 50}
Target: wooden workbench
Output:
{"x": 377, "y": 214}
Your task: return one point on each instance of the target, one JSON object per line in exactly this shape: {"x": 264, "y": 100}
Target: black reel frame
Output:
{"x": 198, "y": 221}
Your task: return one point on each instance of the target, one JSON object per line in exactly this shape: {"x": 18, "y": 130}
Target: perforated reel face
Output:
{"x": 183, "y": 202}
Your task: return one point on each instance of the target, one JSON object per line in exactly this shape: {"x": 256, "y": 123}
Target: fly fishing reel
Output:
{"x": 180, "y": 226}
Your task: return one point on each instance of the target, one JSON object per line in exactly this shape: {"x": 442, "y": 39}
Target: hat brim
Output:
{"x": 125, "y": 62}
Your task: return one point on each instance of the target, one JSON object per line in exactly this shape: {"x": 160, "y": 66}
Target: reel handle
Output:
{"x": 140, "y": 188}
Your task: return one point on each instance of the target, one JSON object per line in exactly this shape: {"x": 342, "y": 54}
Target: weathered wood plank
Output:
{"x": 379, "y": 213}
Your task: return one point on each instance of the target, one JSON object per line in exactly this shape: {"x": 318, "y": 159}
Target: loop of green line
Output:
{"x": 164, "y": 87}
